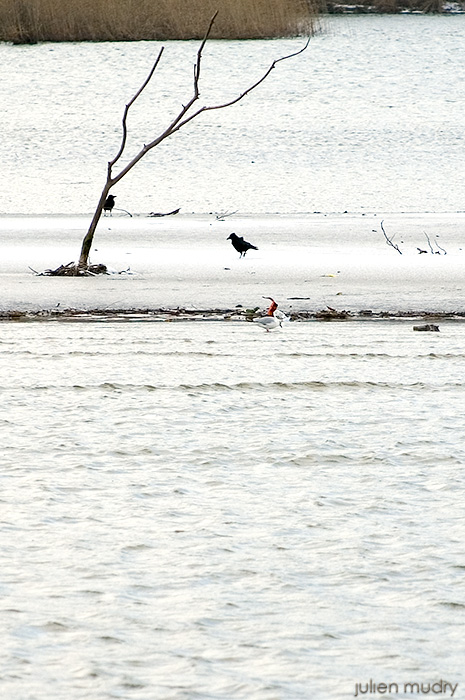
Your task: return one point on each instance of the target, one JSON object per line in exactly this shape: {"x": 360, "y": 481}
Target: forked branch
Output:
{"x": 181, "y": 119}
{"x": 390, "y": 241}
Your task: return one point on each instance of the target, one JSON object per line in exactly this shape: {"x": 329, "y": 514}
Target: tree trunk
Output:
{"x": 89, "y": 237}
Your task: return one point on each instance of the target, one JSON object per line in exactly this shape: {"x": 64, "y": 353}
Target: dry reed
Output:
{"x": 30, "y": 21}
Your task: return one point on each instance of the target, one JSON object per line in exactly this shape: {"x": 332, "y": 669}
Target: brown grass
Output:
{"x": 29, "y": 21}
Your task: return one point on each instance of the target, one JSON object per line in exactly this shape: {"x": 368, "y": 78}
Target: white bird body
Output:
{"x": 273, "y": 319}
{"x": 267, "y": 322}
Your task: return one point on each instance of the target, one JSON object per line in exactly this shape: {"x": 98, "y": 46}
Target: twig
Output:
{"x": 440, "y": 248}
{"x": 181, "y": 123}
{"x": 389, "y": 241}
{"x": 429, "y": 242}
{"x": 220, "y": 217}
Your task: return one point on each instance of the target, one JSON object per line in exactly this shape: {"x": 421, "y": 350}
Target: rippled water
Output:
{"x": 204, "y": 510}
{"x": 369, "y": 118}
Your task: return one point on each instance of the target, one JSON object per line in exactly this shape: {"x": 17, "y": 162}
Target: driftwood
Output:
{"x": 389, "y": 241}
{"x": 330, "y": 314}
{"x": 73, "y": 270}
{"x": 169, "y": 213}
{"x": 222, "y": 216}
{"x": 427, "y": 327}
{"x": 439, "y": 251}
{"x": 250, "y": 314}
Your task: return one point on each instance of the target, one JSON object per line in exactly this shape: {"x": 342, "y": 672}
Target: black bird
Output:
{"x": 240, "y": 245}
{"x": 109, "y": 203}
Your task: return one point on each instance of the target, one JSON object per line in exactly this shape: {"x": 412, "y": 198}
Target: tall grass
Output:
{"x": 27, "y": 21}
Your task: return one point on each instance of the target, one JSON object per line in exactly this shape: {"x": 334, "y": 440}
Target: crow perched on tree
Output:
{"x": 240, "y": 245}
{"x": 109, "y": 203}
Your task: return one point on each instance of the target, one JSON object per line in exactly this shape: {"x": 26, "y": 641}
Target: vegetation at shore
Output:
{"x": 31, "y": 21}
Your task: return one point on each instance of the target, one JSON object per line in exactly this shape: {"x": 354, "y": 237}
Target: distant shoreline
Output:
{"x": 380, "y": 8}
{"x": 24, "y": 24}
{"x": 211, "y": 315}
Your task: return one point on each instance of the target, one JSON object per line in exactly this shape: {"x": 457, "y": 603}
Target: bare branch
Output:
{"x": 389, "y": 241}
{"x": 127, "y": 108}
{"x": 440, "y": 248}
{"x": 222, "y": 215}
{"x": 429, "y": 242}
{"x": 168, "y": 213}
{"x": 200, "y": 51}
{"x": 179, "y": 122}
{"x": 243, "y": 94}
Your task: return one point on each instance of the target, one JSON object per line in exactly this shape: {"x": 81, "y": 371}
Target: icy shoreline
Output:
{"x": 230, "y": 315}
{"x": 184, "y": 266}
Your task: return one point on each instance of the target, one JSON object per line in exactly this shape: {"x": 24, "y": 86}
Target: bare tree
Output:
{"x": 186, "y": 115}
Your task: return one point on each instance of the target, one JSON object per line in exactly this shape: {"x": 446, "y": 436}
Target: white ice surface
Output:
{"x": 303, "y": 261}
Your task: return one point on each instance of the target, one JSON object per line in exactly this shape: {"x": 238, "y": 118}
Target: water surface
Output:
{"x": 369, "y": 118}
{"x": 205, "y": 510}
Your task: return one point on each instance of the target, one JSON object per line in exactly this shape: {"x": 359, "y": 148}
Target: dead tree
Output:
{"x": 186, "y": 115}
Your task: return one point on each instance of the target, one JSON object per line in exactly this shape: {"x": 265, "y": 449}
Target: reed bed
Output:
{"x": 31, "y": 21}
